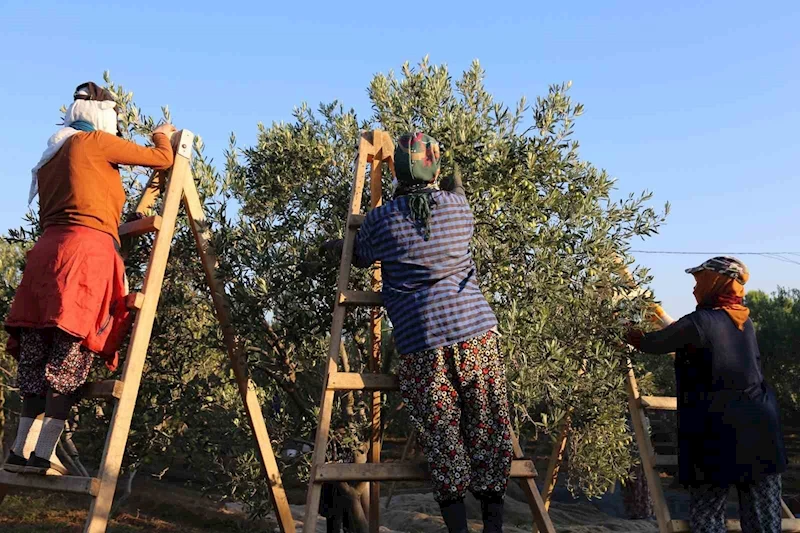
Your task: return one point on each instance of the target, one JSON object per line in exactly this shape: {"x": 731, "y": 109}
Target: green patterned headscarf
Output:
{"x": 417, "y": 159}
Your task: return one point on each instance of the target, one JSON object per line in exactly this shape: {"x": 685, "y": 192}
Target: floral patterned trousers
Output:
{"x": 51, "y": 359}
{"x": 457, "y": 400}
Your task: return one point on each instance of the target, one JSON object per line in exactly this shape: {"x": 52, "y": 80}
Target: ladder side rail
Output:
{"x": 137, "y": 349}
{"x": 202, "y": 236}
{"x": 326, "y": 404}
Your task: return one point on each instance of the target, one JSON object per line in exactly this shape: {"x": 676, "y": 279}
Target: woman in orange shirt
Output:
{"x": 70, "y": 305}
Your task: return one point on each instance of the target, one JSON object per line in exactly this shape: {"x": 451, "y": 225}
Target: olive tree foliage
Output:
{"x": 549, "y": 244}
{"x": 11, "y": 261}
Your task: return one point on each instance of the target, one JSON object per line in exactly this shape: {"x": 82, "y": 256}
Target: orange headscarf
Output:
{"x": 717, "y": 291}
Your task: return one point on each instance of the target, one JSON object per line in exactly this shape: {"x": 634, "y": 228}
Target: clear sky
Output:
{"x": 698, "y": 104}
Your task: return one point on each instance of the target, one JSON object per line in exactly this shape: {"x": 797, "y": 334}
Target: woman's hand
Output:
{"x": 331, "y": 250}
{"x": 634, "y": 337}
{"x": 166, "y": 129}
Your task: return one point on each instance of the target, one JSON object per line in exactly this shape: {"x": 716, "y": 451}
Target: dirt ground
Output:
{"x": 164, "y": 507}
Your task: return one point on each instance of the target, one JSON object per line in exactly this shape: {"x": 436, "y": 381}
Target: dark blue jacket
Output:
{"x": 729, "y": 427}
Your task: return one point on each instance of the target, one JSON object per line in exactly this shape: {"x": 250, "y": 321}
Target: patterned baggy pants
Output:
{"x": 759, "y": 507}
{"x": 51, "y": 359}
{"x": 457, "y": 400}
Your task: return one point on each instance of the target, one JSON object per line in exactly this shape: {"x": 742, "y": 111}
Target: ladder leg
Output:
{"x": 314, "y": 488}
{"x": 646, "y": 453}
{"x": 376, "y": 435}
{"x": 202, "y": 236}
{"x": 321, "y": 439}
{"x": 117, "y": 437}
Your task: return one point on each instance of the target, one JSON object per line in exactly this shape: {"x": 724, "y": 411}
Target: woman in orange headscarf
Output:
{"x": 729, "y": 430}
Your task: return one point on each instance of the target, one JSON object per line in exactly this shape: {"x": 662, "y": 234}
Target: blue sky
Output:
{"x": 695, "y": 103}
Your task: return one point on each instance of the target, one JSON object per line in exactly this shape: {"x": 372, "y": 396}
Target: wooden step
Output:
{"x": 659, "y": 403}
{"x": 72, "y": 484}
{"x": 520, "y": 468}
{"x": 140, "y": 227}
{"x": 365, "y": 298}
{"x": 109, "y": 389}
{"x": 355, "y": 381}
{"x": 355, "y": 221}
{"x": 787, "y": 524}
{"x": 134, "y": 301}
{"x": 665, "y": 461}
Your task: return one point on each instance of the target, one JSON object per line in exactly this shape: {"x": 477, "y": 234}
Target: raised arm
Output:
{"x": 454, "y": 184}
{"x": 122, "y": 152}
{"x": 678, "y": 335}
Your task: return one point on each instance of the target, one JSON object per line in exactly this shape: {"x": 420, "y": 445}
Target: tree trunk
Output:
{"x": 126, "y": 493}
{"x": 636, "y": 496}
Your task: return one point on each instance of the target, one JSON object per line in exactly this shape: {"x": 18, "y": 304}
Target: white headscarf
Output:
{"x": 100, "y": 114}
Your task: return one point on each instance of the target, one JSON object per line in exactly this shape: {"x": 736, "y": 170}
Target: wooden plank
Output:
{"x": 355, "y": 221}
{"x": 117, "y": 437}
{"x": 520, "y": 468}
{"x": 109, "y": 389}
{"x": 326, "y": 405}
{"x": 71, "y": 484}
{"x": 787, "y": 524}
{"x": 554, "y": 464}
{"x": 646, "y": 452}
{"x": 665, "y": 461}
{"x": 134, "y": 301}
{"x": 141, "y": 226}
{"x": 370, "y": 382}
{"x": 659, "y": 403}
{"x": 208, "y": 258}
{"x": 363, "y": 298}
{"x": 376, "y": 433}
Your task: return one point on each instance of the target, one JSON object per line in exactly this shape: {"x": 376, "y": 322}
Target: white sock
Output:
{"x": 33, "y": 438}
{"x": 25, "y": 424}
{"x": 48, "y": 438}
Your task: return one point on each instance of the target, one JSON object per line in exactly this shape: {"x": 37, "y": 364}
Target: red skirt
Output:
{"x": 74, "y": 280}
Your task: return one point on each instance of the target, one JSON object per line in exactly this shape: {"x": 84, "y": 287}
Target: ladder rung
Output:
{"x": 140, "y": 227}
{"x": 355, "y": 381}
{"x": 105, "y": 390}
{"x": 366, "y": 298}
{"x": 660, "y": 403}
{"x": 787, "y": 524}
{"x": 134, "y": 301}
{"x": 662, "y": 461}
{"x": 520, "y": 468}
{"x": 355, "y": 221}
{"x": 73, "y": 484}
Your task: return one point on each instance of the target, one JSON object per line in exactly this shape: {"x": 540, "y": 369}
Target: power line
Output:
{"x": 778, "y": 256}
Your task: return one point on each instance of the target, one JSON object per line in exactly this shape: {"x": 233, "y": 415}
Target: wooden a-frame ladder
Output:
{"x": 652, "y": 463}
{"x": 375, "y": 148}
{"x": 178, "y": 184}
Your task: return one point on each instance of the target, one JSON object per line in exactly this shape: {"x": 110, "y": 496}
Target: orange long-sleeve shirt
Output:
{"x": 81, "y": 185}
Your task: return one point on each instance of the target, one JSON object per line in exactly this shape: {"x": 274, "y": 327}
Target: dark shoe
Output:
{"x": 15, "y": 463}
{"x": 455, "y": 516}
{"x": 492, "y": 514}
{"x": 43, "y": 467}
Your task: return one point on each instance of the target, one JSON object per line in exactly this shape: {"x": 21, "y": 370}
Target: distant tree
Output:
{"x": 777, "y": 321}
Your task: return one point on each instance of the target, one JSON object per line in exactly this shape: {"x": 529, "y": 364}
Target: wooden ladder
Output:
{"x": 375, "y": 148}
{"x": 178, "y": 184}
{"x": 653, "y": 463}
